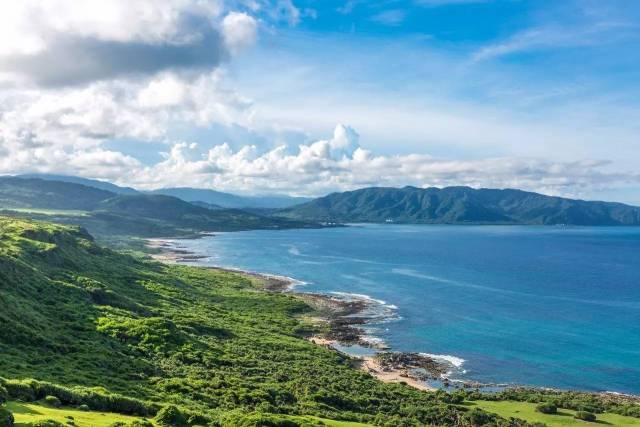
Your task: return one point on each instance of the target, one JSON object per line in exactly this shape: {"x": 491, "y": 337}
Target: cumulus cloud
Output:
{"x": 69, "y": 42}
{"x": 239, "y": 31}
{"x": 79, "y": 120}
{"x": 76, "y": 74}
{"x": 340, "y": 163}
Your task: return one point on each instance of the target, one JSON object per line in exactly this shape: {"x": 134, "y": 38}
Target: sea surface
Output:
{"x": 543, "y": 306}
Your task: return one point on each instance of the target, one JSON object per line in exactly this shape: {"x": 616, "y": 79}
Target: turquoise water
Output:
{"x": 547, "y": 306}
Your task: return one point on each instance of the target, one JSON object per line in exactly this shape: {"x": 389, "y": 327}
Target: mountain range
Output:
{"x": 127, "y": 210}
{"x": 106, "y": 213}
{"x": 460, "y": 205}
{"x": 210, "y": 197}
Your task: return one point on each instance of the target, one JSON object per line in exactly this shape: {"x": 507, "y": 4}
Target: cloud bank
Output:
{"x": 340, "y": 163}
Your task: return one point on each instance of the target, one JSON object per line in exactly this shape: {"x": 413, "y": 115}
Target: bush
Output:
{"x": 477, "y": 417}
{"x": 6, "y": 418}
{"x": 83, "y": 407}
{"x": 45, "y": 423}
{"x": 32, "y": 390}
{"x": 171, "y": 416}
{"x": 547, "y": 408}
{"x": 585, "y": 416}
{"x": 52, "y": 401}
{"x": 4, "y": 395}
{"x": 20, "y": 391}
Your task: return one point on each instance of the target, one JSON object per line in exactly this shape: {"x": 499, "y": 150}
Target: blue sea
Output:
{"x": 542, "y": 306}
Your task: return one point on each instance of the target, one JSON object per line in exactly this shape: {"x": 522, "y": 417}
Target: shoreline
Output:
{"x": 340, "y": 317}
{"x": 341, "y": 322}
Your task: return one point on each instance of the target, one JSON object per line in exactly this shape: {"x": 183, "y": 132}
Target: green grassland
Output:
{"x": 563, "y": 418}
{"x": 27, "y": 413}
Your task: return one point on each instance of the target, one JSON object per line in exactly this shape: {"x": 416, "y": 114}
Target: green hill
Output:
{"x": 460, "y": 205}
{"x": 102, "y": 185}
{"x": 106, "y": 214}
{"x": 45, "y": 194}
{"x": 120, "y": 334}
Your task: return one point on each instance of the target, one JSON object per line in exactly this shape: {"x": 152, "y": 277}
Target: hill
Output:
{"x": 460, "y": 205}
{"x": 94, "y": 183}
{"x": 105, "y": 213}
{"x": 44, "y": 194}
{"x": 228, "y": 200}
{"x": 121, "y": 334}
{"x": 172, "y": 210}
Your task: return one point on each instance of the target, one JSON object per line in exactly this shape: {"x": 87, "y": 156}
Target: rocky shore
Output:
{"x": 339, "y": 320}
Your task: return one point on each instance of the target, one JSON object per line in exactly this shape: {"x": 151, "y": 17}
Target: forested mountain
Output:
{"x": 460, "y": 205}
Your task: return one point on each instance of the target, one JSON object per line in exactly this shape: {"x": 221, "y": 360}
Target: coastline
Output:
{"x": 342, "y": 319}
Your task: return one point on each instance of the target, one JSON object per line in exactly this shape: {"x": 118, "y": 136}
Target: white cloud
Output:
{"x": 239, "y": 31}
{"x": 76, "y": 74}
{"x": 340, "y": 163}
{"x": 392, "y": 18}
{"x": 27, "y": 26}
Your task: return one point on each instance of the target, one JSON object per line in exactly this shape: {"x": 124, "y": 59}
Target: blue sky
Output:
{"x": 309, "y": 96}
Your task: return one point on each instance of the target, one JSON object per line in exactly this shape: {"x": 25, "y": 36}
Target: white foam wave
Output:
{"x": 293, "y": 250}
{"x": 349, "y": 295}
{"x": 452, "y": 360}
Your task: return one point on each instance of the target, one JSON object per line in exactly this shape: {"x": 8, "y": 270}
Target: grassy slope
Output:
{"x": 563, "y": 418}
{"x": 79, "y": 315}
{"x": 26, "y": 413}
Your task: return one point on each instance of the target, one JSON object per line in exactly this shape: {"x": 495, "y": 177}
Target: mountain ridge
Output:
{"x": 460, "y": 205}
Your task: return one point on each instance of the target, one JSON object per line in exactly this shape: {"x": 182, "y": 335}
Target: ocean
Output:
{"x": 541, "y": 306}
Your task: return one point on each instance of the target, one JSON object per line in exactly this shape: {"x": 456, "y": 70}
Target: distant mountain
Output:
{"x": 45, "y": 194}
{"x": 227, "y": 200}
{"x": 102, "y": 185}
{"x": 460, "y": 205}
{"x": 210, "y": 197}
{"x": 107, "y": 213}
{"x": 186, "y": 215}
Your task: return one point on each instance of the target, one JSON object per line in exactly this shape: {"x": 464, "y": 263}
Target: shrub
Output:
{"x": 52, "y": 401}
{"x": 171, "y": 416}
{"x": 478, "y": 417}
{"x": 585, "y": 416}
{"x": 20, "y": 391}
{"x": 4, "y": 395}
{"x": 547, "y": 408}
{"x": 45, "y": 423}
{"x": 6, "y": 418}
{"x": 83, "y": 407}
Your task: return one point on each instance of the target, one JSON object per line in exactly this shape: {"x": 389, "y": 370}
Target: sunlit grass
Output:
{"x": 564, "y": 417}
{"x": 25, "y": 413}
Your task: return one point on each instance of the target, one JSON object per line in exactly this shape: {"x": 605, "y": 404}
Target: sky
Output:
{"x": 307, "y": 97}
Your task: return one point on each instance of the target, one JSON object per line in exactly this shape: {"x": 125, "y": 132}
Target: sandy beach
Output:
{"x": 373, "y": 367}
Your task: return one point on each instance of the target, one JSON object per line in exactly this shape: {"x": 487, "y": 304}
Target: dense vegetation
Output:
{"x": 115, "y": 333}
{"x": 105, "y": 213}
{"x": 460, "y": 205}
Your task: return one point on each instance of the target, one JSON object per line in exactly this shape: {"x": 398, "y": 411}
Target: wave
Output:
{"x": 455, "y": 361}
{"x": 293, "y": 250}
